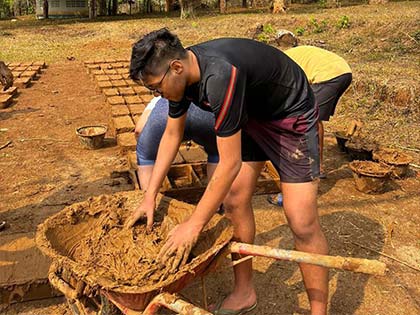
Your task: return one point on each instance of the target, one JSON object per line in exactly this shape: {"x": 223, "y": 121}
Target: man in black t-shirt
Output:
{"x": 264, "y": 110}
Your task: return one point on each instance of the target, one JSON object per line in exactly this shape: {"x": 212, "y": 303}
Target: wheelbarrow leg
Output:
{"x": 173, "y": 303}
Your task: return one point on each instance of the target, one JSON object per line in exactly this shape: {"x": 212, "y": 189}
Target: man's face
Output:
{"x": 170, "y": 83}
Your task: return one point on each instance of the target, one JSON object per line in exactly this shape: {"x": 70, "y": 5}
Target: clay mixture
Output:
{"x": 93, "y": 235}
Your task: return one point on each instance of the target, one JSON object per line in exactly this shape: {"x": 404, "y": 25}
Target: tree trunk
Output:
{"x": 244, "y": 4}
{"x": 187, "y": 9}
{"x": 222, "y": 6}
{"x": 92, "y": 9}
{"x": 169, "y": 5}
{"x": 114, "y": 7}
{"x": 102, "y": 7}
{"x": 279, "y": 6}
{"x": 46, "y": 13}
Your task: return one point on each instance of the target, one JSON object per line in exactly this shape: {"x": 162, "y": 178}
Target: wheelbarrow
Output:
{"x": 89, "y": 293}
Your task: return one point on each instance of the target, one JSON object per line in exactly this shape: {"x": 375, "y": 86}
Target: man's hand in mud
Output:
{"x": 181, "y": 239}
{"x": 6, "y": 76}
{"x": 146, "y": 209}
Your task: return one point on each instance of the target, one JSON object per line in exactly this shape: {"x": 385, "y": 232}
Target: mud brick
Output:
{"x": 42, "y": 64}
{"x": 119, "y": 110}
{"x": 123, "y": 71}
{"x": 110, "y": 71}
{"x": 20, "y": 68}
{"x": 132, "y": 159}
{"x": 13, "y": 64}
{"x": 26, "y": 64}
{"x": 98, "y": 72}
{"x": 117, "y": 65}
{"x": 127, "y": 141}
{"x": 118, "y": 83}
{"x": 178, "y": 159}
{"x": 105, "y": 66}
{"x": 130, "y": 82}
{"x": 110, "y": 92}
{"x": 126, "y": 91}
{"x": 5, "y": 100}
{"x": 22, "y": 83}
{"x": 29, "y": 74}
{"x": 35, "y": 68}
{"x": 141, "y": 90}
{"x": 92, "y": 67}
{"x": 147, "y": 98}
{"x": 102, "y": 77}
{"x": 115, "y": 77}
{"x": 89, "y": 62}
{"x": 116, "y": 100}
{"x": 104, "y": 85}
{"x": 193, "y": 154}
{"x": 133, "y": 99}
{"x": 135, "y": 118}
{"x": 122, "y": 60}
{"x": 123, "y": 124}
{"x": 109, "y": 60}
{"x": 13, "y": 91}
{"x": 137, "y": 109}
{"x": 16, "y": 74}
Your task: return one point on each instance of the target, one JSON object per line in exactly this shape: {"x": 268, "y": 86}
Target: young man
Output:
{"x": 151, "y": 125}
{"x": 6, "y": 76}
{"x": 264, "y": 109}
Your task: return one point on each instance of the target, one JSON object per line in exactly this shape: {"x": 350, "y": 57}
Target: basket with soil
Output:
{"x": 341, "y": 139}
{"x": 92, "y": 137}
{"x": 370, "y": 177}
{"x": 93, "y": 253}
{"x": 399, "y": 161}
{"x": 360, "y": 149}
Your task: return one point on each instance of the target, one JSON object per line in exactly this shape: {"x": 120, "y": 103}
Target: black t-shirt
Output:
{"x": 241, "y": 79}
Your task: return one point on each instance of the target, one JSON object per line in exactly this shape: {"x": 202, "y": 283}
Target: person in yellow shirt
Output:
{"x": 329, "y": 76}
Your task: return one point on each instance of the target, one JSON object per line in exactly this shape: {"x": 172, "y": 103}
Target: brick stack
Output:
{"x": 23, "y": 75}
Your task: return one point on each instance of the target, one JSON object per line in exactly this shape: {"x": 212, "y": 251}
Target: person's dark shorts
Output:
{"x": 291, "y": 144}
{"x": 328, "y": 93}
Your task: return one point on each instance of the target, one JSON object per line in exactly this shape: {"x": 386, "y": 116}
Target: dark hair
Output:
{"x": 154, "y": 50}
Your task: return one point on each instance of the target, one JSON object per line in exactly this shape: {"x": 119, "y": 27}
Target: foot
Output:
{"x": 275, "y": 199}
{"x": 236, "y": 302}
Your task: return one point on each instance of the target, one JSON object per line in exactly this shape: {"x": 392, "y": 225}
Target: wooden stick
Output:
{"x": 6, "y": 144}
{"x": 386, "y": 255}
{"x": 408, "y": 148}
{"x": 203, "y": 286}
{"x": 374, "y": 267}
{"x": 414, "y": 165}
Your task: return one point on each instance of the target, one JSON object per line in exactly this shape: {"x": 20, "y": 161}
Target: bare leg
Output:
{"x": 144, "y": 172}
{"x": 321, "y": 144}
{"x": 300, "y": 207}
{"x": 238, "y": 209}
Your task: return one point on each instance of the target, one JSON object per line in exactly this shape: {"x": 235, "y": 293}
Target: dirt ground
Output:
{"x": 46, "y": 169}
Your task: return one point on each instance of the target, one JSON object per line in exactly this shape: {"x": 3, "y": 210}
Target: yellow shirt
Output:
{"x": 318, "y": 64}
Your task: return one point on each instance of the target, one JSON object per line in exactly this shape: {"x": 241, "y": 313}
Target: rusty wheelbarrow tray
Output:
{"x": 89, "y": 294}
{"x": 85, "y": 290}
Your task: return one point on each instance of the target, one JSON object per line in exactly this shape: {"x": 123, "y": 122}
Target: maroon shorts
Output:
{"x": 291, "y": 144}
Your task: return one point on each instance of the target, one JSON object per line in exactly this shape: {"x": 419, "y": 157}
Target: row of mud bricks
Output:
{"x": 23, "y": 75}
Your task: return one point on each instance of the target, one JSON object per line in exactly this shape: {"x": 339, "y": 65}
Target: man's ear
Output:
{"x": 177, "y": 66}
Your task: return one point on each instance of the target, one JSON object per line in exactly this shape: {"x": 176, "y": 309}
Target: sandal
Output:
{"x": 224, "y": 311}
{"x": 276, "y": 199}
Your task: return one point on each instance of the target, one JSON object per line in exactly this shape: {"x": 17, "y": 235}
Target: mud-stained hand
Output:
{"x": 180, "y": 241}
{"x": 145, "y": 209}
{"x": 6, "y": 76}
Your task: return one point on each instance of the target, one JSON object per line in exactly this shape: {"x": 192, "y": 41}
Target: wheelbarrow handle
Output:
{"x": 362, "y": 265}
